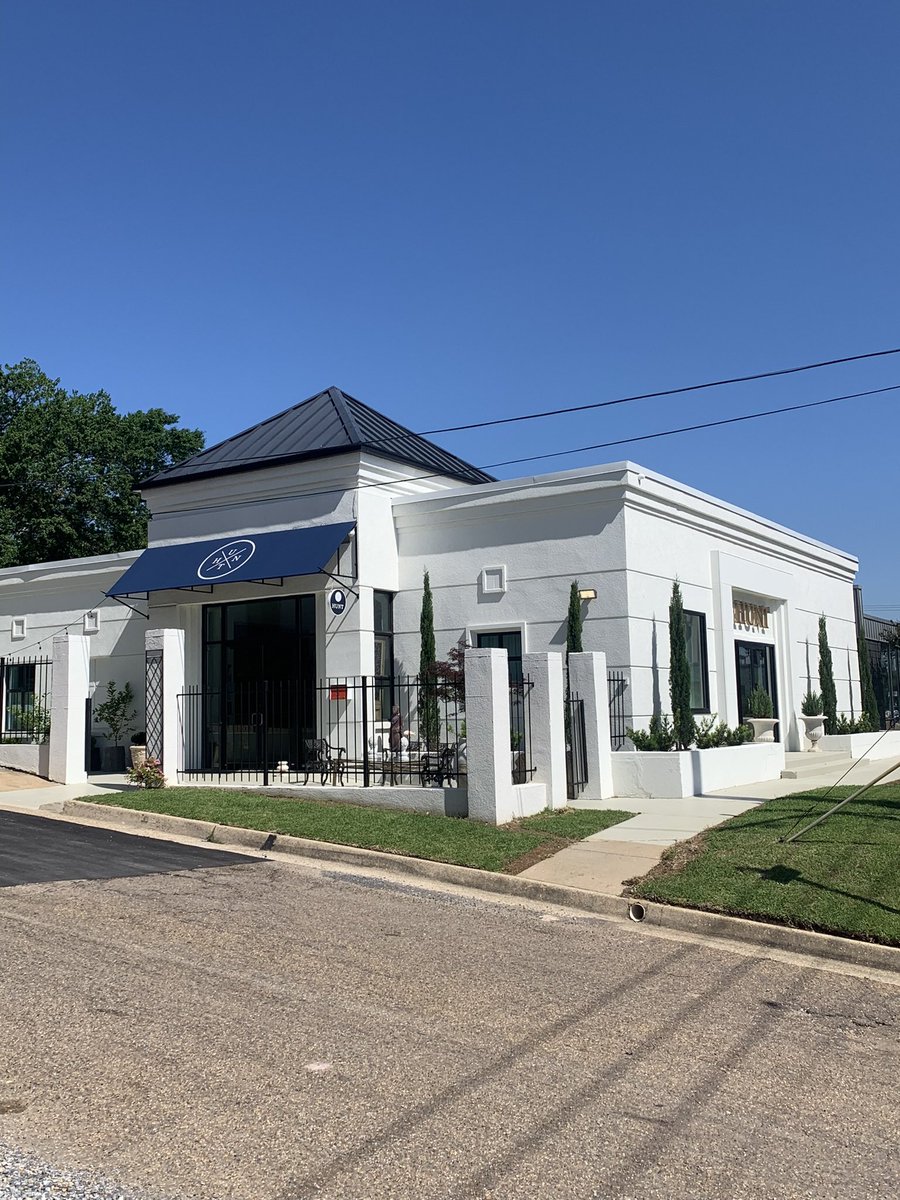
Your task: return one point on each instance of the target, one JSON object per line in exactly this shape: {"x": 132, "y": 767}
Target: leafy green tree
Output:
{"x": 574, "y": 622}
{"x": 69, "y": 464}
{"x": 826, "y": 677}
{"x": 869, "y": 699}
{"x": 429, "y": 713}
{"x": 680, "y": 673}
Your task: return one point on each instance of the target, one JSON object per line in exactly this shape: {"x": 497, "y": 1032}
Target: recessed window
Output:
{"x": 91, "y": 621}
{"x": 493, "y": 581}
{"x": 695, "y": 638}
{"x": 19, "y": 628}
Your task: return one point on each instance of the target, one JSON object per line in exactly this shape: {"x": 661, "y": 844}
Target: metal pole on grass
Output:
{"x": 840, "y": 804}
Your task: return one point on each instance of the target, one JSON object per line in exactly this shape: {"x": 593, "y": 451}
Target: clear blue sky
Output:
{"x": 455, "y": 211}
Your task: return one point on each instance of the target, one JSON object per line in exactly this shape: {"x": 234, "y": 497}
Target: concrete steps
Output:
{"x": 803, "y": 766}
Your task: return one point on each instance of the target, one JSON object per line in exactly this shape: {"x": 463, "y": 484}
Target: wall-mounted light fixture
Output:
{"x": 587, "y": 594}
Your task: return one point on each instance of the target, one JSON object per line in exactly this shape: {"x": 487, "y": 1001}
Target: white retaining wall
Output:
{"x": 27, "y": 756}
{"x": 863, "y": 745}
{"x": 678, "y": 773}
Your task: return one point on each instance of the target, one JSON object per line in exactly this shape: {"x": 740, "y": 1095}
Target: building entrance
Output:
{"x": 755, "y": 663}
{"x": 258, "y": 695}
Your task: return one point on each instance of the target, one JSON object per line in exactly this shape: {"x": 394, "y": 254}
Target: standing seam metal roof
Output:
{"x": 330, "y": 422}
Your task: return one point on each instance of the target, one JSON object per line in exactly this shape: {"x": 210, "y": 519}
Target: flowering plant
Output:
{"x": 148, "y": 774}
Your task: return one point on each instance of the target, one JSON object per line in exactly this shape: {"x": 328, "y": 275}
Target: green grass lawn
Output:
{"x": 443, "y": 839}
{"x": 841, "y": 877}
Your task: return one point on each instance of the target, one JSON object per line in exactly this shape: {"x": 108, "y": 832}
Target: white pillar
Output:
{"x": 68, "y": 714}
{"x": 170, "y": 642}
{"x": 489, "y": 762}
{"x": 548, "y": 730}
{"x": 587, "y": 679}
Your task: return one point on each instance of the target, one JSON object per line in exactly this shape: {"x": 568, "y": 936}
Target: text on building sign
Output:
{"x": 755, "y": 615}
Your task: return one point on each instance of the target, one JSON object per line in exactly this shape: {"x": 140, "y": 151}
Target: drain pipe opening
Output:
{"x": 636, "y": 912}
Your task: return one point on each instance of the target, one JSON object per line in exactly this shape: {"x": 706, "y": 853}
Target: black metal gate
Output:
{"x": 618, "y": 726}
{"x": 576, "y": 746}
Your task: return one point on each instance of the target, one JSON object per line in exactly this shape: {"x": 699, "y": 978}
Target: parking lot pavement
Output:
{"x": 37, "y": 850}
{"x": 283, "y": 1032}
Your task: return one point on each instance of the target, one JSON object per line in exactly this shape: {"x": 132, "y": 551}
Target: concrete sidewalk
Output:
{"x": 28, "y": 793}
{"x": 605, "y": 861}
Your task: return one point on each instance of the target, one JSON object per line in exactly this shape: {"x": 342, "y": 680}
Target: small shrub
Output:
{"x": 740, "y": 735}
{"x": 710, "y": 736}
{"x": 812, "y": 705}
{"x": 660, "y": 735}
{"x": 759, "y": 704}
{"x": 845, "y": 724}
{"x": 148, "y": 774}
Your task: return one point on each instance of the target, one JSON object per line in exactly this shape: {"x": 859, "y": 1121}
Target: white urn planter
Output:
{"x": 814, "y": 728}
{"x": 763, "y": 728}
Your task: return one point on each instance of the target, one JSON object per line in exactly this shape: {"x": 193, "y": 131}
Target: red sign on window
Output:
{"x": 338, "y": 692}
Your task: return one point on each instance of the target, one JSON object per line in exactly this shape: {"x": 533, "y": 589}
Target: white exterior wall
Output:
{"x": 53, "y": 598}
{"x": 545, "y": 532}
{"x": 719, "y": 553}
{"x": 628, "y": 533}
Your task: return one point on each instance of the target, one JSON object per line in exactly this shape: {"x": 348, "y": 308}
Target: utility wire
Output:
{"x": 679, "y": 391}
{"x": 646, "y": 437}
{"x": 556, "y": 412}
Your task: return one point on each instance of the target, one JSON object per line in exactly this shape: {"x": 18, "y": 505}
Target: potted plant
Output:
{"x": 759, "y": 715}
{"x": 117, "y": 714}
{"x": 138, "y": 748}
{"x": 813, "y": 719}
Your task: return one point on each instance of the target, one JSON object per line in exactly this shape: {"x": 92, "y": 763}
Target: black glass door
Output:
{"x": 755, "y": 668}
{"x": 259, "y": 681}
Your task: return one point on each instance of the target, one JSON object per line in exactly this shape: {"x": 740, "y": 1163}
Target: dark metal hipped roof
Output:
{"x": 326, "y": 424}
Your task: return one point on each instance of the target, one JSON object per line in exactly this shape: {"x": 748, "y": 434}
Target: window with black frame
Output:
{"x": 695, "y": 639}
{"x": 508, "y": 640}
{"x": 384, "y": 654}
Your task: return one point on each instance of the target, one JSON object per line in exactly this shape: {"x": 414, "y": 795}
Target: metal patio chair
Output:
{"x": 322, "y": 759}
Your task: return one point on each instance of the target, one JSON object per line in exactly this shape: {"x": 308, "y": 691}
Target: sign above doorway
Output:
{"x": 749, "y": 615}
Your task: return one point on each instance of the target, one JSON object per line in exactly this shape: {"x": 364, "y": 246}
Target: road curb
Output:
{"x": 663, "y": 916}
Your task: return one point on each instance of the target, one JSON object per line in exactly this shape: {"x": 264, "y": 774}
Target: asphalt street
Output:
{"x": 268, "y": 1030}
{"x": 36, "y": 850}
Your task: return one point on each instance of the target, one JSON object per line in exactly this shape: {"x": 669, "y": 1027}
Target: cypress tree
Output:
{"x": 869, "y": 699}
{"x": 679, "y": 673}
{"x": 826, "y": 676}
{"x": 429, "y": 715}
{"x": 574, "y": 622}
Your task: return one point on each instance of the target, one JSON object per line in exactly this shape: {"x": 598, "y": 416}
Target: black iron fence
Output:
{"x": 617, "y": 685}
{"x": 25, "y": 694}
{"x": 520, "y": 739}
{"x": 359, "y": 731}
{"x": 576, "y": 746}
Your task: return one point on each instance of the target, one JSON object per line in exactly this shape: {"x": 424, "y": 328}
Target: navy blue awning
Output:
{"x": 240, "y": 559}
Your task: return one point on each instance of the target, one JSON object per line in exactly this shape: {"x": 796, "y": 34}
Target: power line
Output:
{"x": 560, "y": 453}
{"x": 679, "y": 391}
{"x": 556, "y": 412}
{"x": 646, "y": 437}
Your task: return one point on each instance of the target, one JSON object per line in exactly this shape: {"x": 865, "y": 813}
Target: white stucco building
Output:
{"x": 296, "y": 550}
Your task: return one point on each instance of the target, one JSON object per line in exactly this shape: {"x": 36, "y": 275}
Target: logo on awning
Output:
{"x": 226, "y": 560}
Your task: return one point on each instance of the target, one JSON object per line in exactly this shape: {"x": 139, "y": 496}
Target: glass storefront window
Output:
{"x": 695, "y": 636}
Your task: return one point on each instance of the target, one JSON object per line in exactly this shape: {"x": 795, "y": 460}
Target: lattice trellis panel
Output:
{"x": 154, "y": 692}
